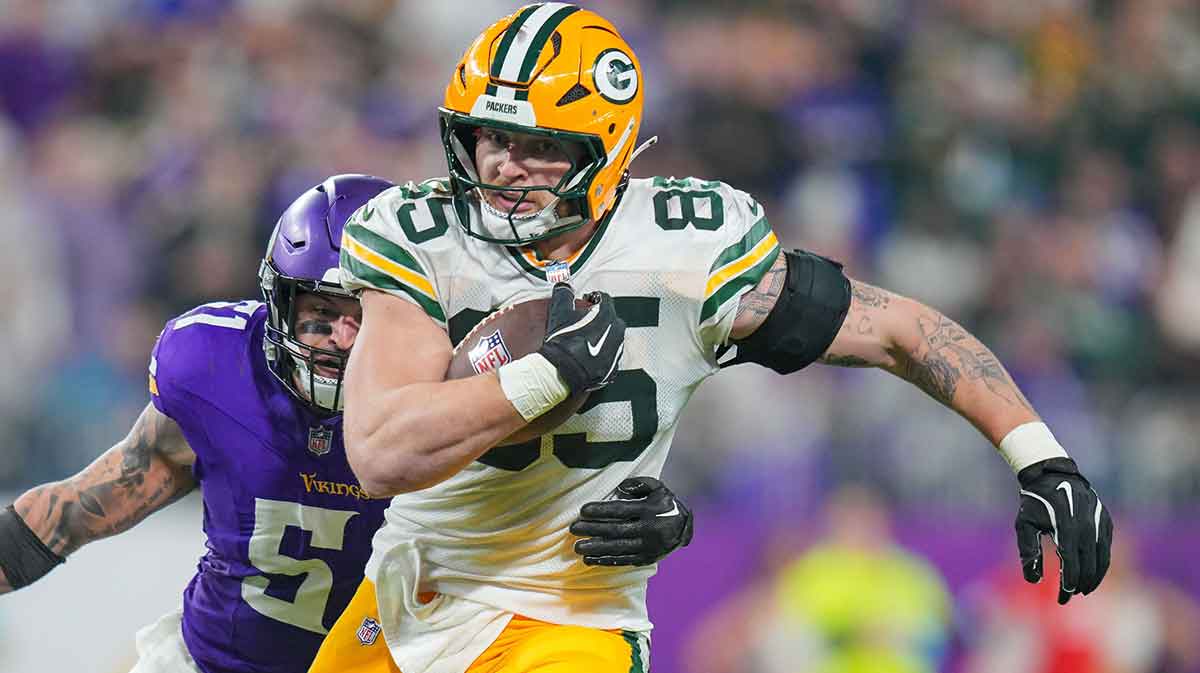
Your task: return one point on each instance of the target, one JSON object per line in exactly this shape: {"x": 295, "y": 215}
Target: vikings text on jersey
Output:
{"x": 288, "y": 528}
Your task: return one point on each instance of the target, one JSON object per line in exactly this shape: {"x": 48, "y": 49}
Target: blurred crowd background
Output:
{"x": 1030, "y": 168}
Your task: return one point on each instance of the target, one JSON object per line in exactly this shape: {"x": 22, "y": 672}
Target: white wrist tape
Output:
{"x": 533, "y": 385}
{"x": 1030, "y": 443}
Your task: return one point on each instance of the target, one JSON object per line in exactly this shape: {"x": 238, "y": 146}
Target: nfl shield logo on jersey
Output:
{"x": 369, "y": 631}
{"x": 489, "y": 353}
{"x": 320, "y": 440}
{"x": 558, "y": 272}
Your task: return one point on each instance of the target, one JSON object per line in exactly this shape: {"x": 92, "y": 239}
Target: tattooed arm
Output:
{"x": 914, "y": 342}
{"x": 147, "y": 470}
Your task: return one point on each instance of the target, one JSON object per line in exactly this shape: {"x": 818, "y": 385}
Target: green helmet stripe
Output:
{"x": 522, "y": 43}
{"x": 509, "y": 35}
{"x": 539, "y": 40}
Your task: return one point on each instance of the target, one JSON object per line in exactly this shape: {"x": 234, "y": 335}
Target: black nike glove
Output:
{"x": 1058, "y": 501}
{"x": 584, "y": 345}
{"x": 642, "y": 525}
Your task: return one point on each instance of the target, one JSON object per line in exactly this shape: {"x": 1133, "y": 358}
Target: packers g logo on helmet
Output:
{"x": 554, "y": 70}
{"x": 616, "y": 77}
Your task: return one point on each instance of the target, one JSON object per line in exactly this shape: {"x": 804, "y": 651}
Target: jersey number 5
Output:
{"x": 271, "y": 519}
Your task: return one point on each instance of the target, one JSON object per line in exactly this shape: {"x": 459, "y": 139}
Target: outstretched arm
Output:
{"x": 147, "y": 470}
{"x": 934, "y": 353}
{"x": 914, "y": 342}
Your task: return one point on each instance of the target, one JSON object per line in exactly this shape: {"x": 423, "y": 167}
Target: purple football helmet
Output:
{"x": 302, "y": 256}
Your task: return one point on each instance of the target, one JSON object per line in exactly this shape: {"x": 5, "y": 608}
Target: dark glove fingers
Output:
{"x": 618, "y": 323}
{"x": 633, "y": 528}
{"x": 586, "y": 528}
{"x": 638, "y": 487}
{"x": 626, "y": 560}
{"x": 585, "y": 346}
{"x": 624, "y": 510}
{"x": 1064, "y": 597}
{"x": 616, "y": 361}
{"x": 1081, "y": 527}
{"x": 597, "y": 546}
{"x": 1029, "y": 546}
{"x": 597, "y": 297}
{"x": 638, "y": 498}
{"x": 1068, "y": 555}
{"x": 606, "y": 311}
{"x": 561, "y": 311}
{"x": 609, "y": 529}
{"x": 1103, "y": 544}
{"x": 1088, "y": 580}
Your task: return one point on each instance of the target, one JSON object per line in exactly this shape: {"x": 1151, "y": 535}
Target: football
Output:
{"x": 510, "y": 333}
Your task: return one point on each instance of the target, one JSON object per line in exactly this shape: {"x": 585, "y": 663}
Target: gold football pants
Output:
{"x": 525, "y": 646}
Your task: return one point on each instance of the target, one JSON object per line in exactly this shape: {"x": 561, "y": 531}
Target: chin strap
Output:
{"x": 650, "y": 142}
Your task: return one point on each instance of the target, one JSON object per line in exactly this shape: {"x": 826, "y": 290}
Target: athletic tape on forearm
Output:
{"x": 533, "y": 385}
{"x": 1030, "y": 443}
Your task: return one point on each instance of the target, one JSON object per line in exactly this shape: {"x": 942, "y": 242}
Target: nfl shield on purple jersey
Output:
{"x": 289, "y": 529}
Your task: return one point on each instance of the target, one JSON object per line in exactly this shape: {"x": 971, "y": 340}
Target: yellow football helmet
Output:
{"x": 555, "y": 70}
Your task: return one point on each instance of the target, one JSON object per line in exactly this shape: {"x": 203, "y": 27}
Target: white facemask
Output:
{"x": 494, "y": 223}
{"x": 323, "y": 389}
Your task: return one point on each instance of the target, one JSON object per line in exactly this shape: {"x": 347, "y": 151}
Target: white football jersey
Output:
{"x": 676, "y": 255}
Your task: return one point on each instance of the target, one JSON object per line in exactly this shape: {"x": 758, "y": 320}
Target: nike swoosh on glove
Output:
{"x": 1057, "y": 500}
{"x": 644, "y": 523}
{"x": 584, "y": 345}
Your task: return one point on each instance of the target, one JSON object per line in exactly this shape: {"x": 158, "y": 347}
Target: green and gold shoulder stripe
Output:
{"x": 739, "y": 266}
{"x": 381, "y": 264}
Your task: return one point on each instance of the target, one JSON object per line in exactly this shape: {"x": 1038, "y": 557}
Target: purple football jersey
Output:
{"x": 289, "y": 529}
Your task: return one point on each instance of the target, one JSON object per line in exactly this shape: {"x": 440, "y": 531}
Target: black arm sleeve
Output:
{"x": 805, "y": 319}
{"x": 23, "y": 556}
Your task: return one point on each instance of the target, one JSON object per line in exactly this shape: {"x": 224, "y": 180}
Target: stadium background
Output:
{"x": 1031, "y": 168}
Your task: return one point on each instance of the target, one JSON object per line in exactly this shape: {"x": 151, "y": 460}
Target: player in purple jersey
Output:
{"x": 246, "y": 406}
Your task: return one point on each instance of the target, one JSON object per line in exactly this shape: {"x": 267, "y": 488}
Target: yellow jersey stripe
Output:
{"x": 736, "y": 267}
{"x": 371, "y": 258}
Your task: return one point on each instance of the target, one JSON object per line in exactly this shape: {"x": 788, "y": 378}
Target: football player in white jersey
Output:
{"x": 475, "y": 572}
{"x": 243, "y": 435}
